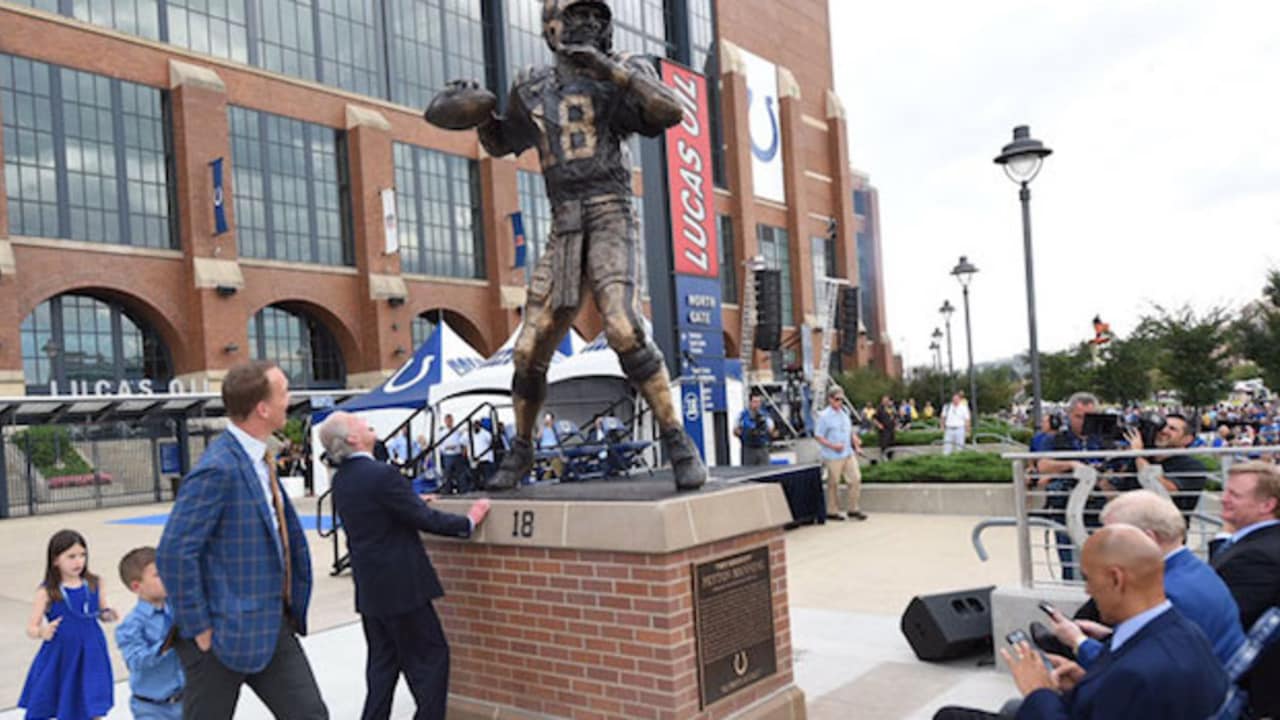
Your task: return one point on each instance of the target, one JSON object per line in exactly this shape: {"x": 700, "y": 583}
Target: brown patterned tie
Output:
{"x": 277, "y": 503}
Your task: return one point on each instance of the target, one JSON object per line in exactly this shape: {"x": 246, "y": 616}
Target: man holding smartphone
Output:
{"x": 1158, "y": 665}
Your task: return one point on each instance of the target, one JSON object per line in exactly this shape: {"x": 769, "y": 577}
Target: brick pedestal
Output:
{"x": 586, "y": 609}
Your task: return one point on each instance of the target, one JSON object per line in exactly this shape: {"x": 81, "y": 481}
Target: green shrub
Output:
{"x": 932, "y": 437}
{"x": 963, "y": 467}
{"x": 51, "y": 450}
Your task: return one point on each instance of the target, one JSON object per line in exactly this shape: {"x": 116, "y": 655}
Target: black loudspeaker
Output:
{"x": 848, "y": 316}
{"x": 768, "y": 309}
{"x": 949, "y": 625}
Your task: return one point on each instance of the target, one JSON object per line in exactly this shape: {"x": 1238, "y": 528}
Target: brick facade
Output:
{"x": 206, "y": 332}
{"x": 589, "y": 634}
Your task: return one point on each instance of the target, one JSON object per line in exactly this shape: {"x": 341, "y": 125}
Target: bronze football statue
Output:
{"x": 578, "y": 112}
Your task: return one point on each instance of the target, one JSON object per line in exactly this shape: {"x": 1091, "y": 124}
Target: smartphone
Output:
{"x": 1018, "y": 636}
{"x": 1047, "y": 608}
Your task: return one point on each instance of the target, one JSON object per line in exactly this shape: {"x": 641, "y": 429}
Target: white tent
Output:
{"x": 440, "y": 361}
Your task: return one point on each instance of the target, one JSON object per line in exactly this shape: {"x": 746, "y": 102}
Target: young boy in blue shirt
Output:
{"x": 155, "y": 675}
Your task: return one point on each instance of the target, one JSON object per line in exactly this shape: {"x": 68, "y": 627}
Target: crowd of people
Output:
{"x": 1164, "y": 632}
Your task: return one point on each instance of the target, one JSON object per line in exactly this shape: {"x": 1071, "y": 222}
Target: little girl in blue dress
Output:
{"x": 70, "y": 678}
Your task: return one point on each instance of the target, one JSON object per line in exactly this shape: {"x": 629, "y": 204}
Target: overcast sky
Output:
{"x": 1164, "y": 184}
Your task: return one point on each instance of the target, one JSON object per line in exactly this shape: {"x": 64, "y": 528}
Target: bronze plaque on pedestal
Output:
{"x": 733, "y": 623}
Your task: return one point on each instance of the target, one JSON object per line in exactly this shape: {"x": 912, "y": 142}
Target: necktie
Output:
{"x": 277, "y": 503}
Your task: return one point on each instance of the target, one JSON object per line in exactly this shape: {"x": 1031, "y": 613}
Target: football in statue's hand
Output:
{"x": 462, "y": 105}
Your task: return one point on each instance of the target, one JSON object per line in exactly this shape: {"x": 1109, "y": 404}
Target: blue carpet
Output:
{"x": 308, "y": 521}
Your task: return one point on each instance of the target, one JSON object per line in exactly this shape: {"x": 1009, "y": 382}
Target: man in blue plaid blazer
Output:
{"x": 239, "y": 587}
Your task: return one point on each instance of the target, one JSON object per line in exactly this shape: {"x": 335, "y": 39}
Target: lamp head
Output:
{"x": 964, "y": 271}
{"x": 1022, "y": 158}
{"x": 937, "y": 335}
{"x": 947, "y": 309}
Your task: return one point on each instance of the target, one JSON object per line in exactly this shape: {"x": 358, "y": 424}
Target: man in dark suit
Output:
{"x": 1249, "y": 563}
{"x": 394, "y": 579}
{"x": 1189, "y": 583}
{"x": 235, "y": 562}
{"x": 1157, "y": 664}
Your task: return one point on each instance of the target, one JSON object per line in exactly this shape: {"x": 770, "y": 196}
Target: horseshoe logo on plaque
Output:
{"x": 740, "y": 663}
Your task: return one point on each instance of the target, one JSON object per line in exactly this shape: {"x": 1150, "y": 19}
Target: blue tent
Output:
{"x": 444, "y": 357}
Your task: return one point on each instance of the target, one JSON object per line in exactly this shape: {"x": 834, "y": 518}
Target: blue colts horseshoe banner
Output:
{"x": 219, "y": 207}
{"x": 764, "y": 120}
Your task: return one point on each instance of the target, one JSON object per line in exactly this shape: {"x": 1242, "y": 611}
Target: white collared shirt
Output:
{"x": 257, "y": 452}
{"x": 1130, "y": 627}
{"x": 1242, "y": 532}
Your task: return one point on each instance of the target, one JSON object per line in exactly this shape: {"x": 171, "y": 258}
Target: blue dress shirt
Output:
{"x": 140, "y": 635}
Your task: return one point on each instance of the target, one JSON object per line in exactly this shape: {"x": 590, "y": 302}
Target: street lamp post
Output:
{"x": 947, "y": 310}
{"x": 1021, "y": 160}
{"x": 964, "y": 272}
{"x": 936, "y": 347}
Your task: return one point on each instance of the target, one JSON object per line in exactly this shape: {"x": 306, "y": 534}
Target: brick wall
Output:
{"x": 589, "y": 634}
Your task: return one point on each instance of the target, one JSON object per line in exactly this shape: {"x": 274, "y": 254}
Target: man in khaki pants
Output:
{"x": 839, "y": 447}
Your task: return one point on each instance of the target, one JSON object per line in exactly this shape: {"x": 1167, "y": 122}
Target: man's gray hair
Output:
{"x": 1081, "y": 398}
{"x": 1147, "y": 511}
{"x": 333, "y": 437}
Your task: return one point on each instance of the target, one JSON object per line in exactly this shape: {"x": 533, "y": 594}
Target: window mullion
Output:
{"x": 415, "y": 156}
{"x": 57, "y": 366}
{"x": 309, "y": 169}
{"x": 268, "y": 212}
{"x": 117, "y": 344}
{"x": 61, "y": 181}
{"x": 122, "y": 162}
{"x": 316, "y": 46}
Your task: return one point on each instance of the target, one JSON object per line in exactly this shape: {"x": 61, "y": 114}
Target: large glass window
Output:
{"x": 640, "y": 26}
{"x": 301, "y": 345}
{"x": 85, "y": 156}
{"x": 823, "y": 256}
{"x": 728, "y": 260}
{"x": 422, "y": 327}
{"x": 525, "y": 46}
{"x": 286, "y": 38}
{"x": 536, "y": 209}
{"x": 213, "y": 27}
{"x": 288, "y": 177}
{"x": 438, "y": 203}
{"x": 349, "y": 39}
{"x": 866, "y": 248}
{"x": 775, "y": 248}
{"x": 81, "y": 339}
{"x": 136, "y": 17}
{"x": 704, "y": 58}
{"x": 431, "y": 42}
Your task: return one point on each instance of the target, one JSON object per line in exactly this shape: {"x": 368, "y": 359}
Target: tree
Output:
{"x": 1125, "y": 373}
{"x": 1257, "y": 332}
{"x": 1065, "y": 372}
{"x": 867, "y": 385}
{"x": 996, "y": 388}
{"x": 1191, "y": 351}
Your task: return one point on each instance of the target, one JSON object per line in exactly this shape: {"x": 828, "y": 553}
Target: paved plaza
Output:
{"x": 848, "y": 584}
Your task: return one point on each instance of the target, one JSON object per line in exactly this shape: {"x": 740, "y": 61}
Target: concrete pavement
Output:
{"x": 848, "y": 584}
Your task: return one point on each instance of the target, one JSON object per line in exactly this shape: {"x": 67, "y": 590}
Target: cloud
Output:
{"x": 1164, "y": 184}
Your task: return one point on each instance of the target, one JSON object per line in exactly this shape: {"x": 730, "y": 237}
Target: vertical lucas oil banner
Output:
{"x": 765, "y": 122}
{"x": 691, "y": 194}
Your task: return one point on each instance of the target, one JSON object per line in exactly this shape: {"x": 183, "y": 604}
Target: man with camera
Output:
{"x": 755, "y": 429}
{"x": 1182, "y": 475}
{"x": 1056, "y": 476}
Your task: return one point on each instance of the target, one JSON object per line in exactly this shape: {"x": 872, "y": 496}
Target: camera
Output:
{"x": 1110, "y": 429}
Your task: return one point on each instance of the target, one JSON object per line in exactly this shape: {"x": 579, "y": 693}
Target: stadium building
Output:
{"x": 189, "y": 184}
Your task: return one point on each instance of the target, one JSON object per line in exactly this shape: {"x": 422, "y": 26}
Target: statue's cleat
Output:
{"x": 686, "y": 464}
{"x": 515, "y": 466}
